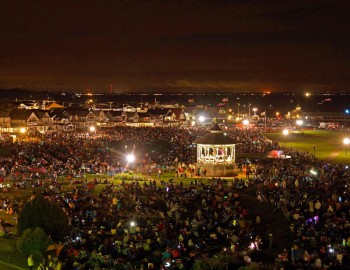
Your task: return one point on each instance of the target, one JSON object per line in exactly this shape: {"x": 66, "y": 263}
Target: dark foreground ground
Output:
{"x": 271, "y": 222}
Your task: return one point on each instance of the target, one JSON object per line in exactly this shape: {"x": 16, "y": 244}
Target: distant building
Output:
{"x": 209, "y": 114}
{"x": 28, "y": 105}
{"x": 317, "y": 117}
{"x": 5, "y": 121}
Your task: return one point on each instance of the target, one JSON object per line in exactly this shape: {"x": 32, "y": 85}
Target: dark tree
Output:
{"x": 47, "y": 215}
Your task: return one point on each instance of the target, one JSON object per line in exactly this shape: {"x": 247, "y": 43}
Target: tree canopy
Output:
{"x": 43, "y": 213}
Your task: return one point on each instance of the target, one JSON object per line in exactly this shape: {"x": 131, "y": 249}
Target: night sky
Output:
{"x": 193, "y": 46}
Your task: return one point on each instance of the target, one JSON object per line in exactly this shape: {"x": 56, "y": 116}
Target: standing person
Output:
{"x": 311, "y": 208}
{"x": 42, "y": 265}
{"x": 270, "y": 240}
{"x": 30, "y": 262}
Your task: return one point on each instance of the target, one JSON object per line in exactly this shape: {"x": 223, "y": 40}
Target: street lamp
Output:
{"x": 130, "y": 158}
{"x": 285, "y": 133}
{"x": 22, "y": 130}
{"x": 238, "y": 104}
{"x": 245, "y": 123}
{"x": 299, "y": 122}
{"x": 346, "y": 142}
{"x": 255, "y": 110}
{"x": 201, "y": 118}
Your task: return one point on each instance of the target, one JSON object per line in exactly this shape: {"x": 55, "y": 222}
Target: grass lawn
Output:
{"x": 328, "y": 144}
{"x": 10, "y": 258}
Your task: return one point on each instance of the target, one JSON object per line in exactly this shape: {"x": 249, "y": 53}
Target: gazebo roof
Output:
{"x": 215, "y": 137}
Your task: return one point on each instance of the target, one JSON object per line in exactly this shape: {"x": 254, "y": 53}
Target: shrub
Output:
{"x": 33, "y": 242}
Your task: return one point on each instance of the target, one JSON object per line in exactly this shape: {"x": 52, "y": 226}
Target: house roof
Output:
{"x": 176, "y": 111}
{"x": 54, "y": 105}
{"x": 158, "y": 111}
{"x": 115, "y": 113}
{"x": 20, "y": 114}
{"x": 143, "y": 114}
{"x": 215, "y": 137}
{"x": 41, "y": 114}
{"x": 4, "y": 114}
{"x": 78, "y": 112}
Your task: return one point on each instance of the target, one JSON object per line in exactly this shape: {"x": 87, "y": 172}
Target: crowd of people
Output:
{"x": 314, "y": 197}
{"x": 155, "y": 224}
{"x": 56, "y": 154}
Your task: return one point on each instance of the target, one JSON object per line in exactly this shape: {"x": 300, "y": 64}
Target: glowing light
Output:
{"x": 22, "y": 130}
{"x": 299, "y": 122}
{"x": 346, "y": 141}
{"x": 313, "y": 172}
{"x": 193, "y": 123}
{"x": 130, "y": 158}
{"x": 307, "y": 94}
{"x": 132, "y": 224}
{"x": 92, "y": 129}
{"x": 245, "y": 122}
{"x": 285, "y": 132}
{"x": 201, "y": 118}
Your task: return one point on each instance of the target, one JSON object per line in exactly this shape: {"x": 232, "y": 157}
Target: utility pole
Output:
{"x": 238, "y": 104}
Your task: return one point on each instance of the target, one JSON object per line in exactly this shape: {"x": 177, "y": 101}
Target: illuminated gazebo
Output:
{"x": 216, "y": 153}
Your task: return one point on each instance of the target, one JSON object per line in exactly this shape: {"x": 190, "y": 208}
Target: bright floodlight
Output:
{"x": 346, "y": 141}
{"x": 299, "y": 122}
{"x": 201, "y": 118}
{"x": 92, "y": 129}
{"x": 130, "y": 158}
{"x": 245, "y": 122}
{"x": 285, "y": 132}
{"x": 22, "y": 130}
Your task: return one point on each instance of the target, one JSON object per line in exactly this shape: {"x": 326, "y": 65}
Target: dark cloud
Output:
{"x": 187, "y": 45}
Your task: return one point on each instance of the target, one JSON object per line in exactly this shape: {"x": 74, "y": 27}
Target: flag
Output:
{"x": 263, "y": 114}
